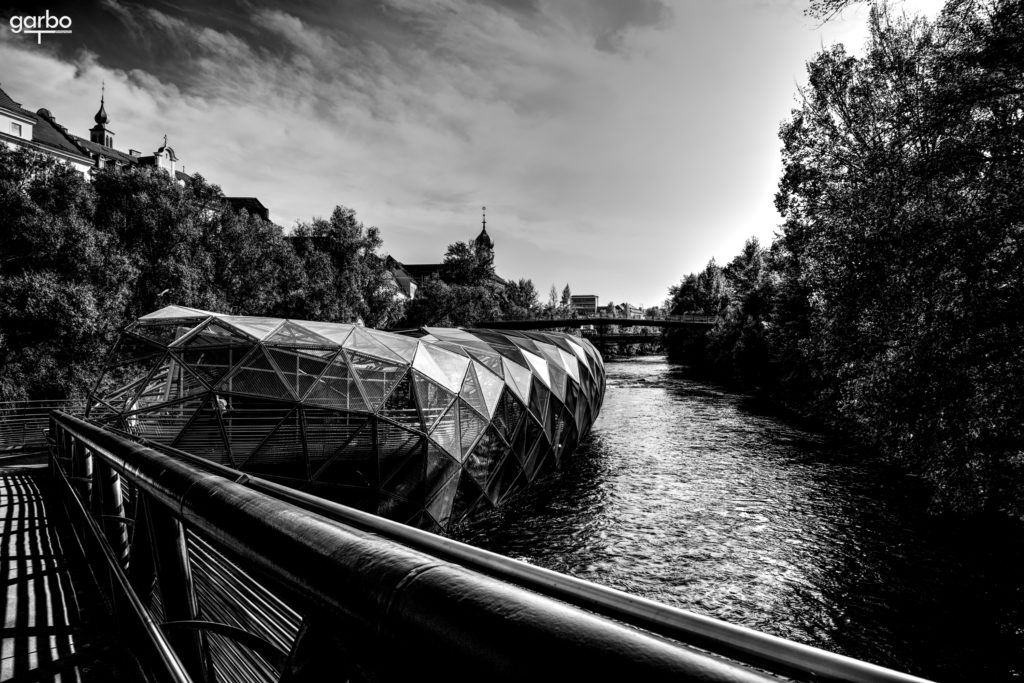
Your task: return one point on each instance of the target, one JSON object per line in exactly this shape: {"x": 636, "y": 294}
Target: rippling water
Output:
{"x": 687, "y": 494}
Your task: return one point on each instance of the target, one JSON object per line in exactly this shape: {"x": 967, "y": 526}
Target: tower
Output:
{"x": 99, "y": 133}
{"x": 483, "y": 240}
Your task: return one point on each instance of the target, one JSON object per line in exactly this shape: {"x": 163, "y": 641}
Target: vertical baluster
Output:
{"x": 177, "y": 590}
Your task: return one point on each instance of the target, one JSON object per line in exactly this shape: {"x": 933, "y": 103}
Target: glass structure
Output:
{"x": 422, "y": 427}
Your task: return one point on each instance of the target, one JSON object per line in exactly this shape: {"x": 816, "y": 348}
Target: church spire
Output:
{"x": 99, "y": 133}
{"x": 101, "y": 116}
{"x": 483, "y": 240}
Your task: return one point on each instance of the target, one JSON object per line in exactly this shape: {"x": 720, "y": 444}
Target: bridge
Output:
{"x": 673, "y": 321}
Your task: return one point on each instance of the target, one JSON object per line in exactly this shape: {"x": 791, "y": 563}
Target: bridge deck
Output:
{"x": 54, "y": 626}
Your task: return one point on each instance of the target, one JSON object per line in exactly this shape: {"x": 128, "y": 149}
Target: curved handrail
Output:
{"x": 736, "y": 642}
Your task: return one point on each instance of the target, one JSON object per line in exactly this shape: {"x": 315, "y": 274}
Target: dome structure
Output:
{"x": 423, "y": 428}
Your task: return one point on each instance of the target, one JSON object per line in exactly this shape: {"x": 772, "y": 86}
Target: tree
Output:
{"x": 902, "y": 202}
{"x": 566, "y": 296}
{"x": 63, "y": 283}
{"x": 521, "y": 298}
{"x": 345, "y": 279}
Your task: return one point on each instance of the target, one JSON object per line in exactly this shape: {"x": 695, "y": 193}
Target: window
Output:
{"x": 16, "y": 129}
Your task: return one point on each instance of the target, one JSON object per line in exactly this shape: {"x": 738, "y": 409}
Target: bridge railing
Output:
{"x": 222, "y": 577}
{"x": 23, "y": 424}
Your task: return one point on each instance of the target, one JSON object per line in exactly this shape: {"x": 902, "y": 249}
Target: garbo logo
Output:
{"x": 44, "y": 23}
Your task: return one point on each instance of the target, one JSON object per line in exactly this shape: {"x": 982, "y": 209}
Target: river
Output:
{"x": 691, "y": 495}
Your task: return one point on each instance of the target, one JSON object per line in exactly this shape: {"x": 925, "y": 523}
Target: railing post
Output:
{"x": 81, "y": 470}
{"x": 108, "y": 502}
{"x": 177, "y": 590}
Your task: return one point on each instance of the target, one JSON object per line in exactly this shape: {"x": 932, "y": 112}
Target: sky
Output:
{"x": 617, "y": 144}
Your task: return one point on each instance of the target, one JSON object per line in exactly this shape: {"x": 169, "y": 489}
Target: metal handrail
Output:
{"x": 371, "y": 595}
{"x": 736, "y": 642}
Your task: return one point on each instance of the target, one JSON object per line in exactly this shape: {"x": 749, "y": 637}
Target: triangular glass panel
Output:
{"x": 470, "y": 427}
{"x": 403, "y": 347}
{"x": 452, "y": 366}
{"x": 248, "y": 422}
{"x": 336, "y": 388}
{"x": 363, "y": 341}
{"x": 486, "y": 456}
{"x": 539, "y": 401}
{"x": 432, "y": 398}
{"x": 446, "y": 432}
{"x": 256, "y": 376}
{"x": 492, "y": 361}
{"x": 539, "y": 367}
{"x": 257, "y": 328}
{"x": 578, "y": 350}
{"x": 293, "y": 334}
{"x": 439, "y": 506}
{"x": 470, "y": 392}
{"x": 468, "y": 498}
{"x": 204, "y": 435}
{"x": 214, "y": 333}
{"x": 440, "y": 469}
{"x": 160, "y": 333}
{"x": 506, "y": 417}
{"x": 490, "y": 388}
{"x": 570, "y": 365}
{"x": 298, "y": 367}
{"x": 499, "y": 485}
{"x": 557, "y": 376}
{"x": 176, "y": 312}
{"x": 453, "y": 347}
{"x": 335, "y": 332}
{"x": 524, "y": 343}
{"x": 518, "y": 379}
{"x": 376, "y": 377}
{"x": 401, "y": 407}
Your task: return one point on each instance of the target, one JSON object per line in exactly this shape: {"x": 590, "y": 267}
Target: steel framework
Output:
{"x": 423, "y": 428}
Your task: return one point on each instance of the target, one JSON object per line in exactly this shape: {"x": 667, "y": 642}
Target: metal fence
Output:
{"x": 23, "y": 424}
{"x": 217, "y": 576}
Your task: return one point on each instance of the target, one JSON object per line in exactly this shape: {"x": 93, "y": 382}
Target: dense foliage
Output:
{"x": 888, "y": 304}
{"x": 80, "y": 259}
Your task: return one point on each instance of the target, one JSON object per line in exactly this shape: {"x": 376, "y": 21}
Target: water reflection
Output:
{"x": 686, "y": 495}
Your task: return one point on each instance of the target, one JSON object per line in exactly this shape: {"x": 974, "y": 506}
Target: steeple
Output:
{"x": 101, "y": 116}
{"x": 99, "y": 133}
{"x": 483, "y": 240}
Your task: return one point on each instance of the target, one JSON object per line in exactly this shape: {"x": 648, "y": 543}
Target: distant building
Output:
{"x": 41, "y": 133}
{"x": 409, "y": 276}
{"x": 584, "y": 304}
{"x": 630, "y": 311}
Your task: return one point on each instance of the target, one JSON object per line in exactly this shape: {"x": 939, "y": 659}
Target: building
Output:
{"x": 409, "y": 276}
{"x": 40, "y": 132}
{"x": 584, "y": 304}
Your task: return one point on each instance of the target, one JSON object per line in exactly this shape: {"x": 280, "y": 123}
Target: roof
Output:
{"x": 251, "y": 204}
{"x": 54, "y": 136}
{"x": 7, "y": 103}
{"x": 109, "y": 152}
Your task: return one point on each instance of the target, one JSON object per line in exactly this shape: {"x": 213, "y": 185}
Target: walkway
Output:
{"x": 52, "y": 610}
